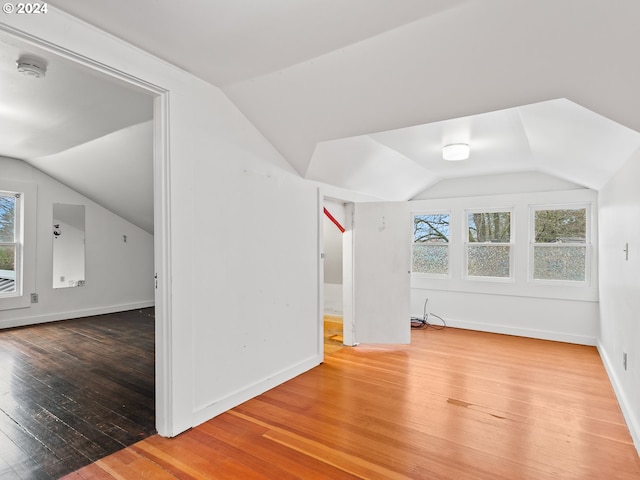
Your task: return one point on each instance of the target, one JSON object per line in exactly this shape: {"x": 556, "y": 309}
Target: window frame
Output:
{"x": 447, "y": 244}
{"x": 588, "y": 244}
{"x": 28, "y": 239}
{"x": 511, "y": 244}
{"x": 520, "y": 286}
{"x": 18, "y": 241}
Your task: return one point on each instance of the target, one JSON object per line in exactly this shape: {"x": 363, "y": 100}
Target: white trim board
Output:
{"x": 633, "y": 423}
{"x": 522, "y": 332}
{"x": 72, "y": 314}
{"x": 221, "y": 405}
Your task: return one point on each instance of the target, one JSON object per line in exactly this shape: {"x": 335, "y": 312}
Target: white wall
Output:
{"x": 519, "y": 307}
{"x": 242, "y": 246}
{"x": 119, "y": 276}
{"x": 526, "y": 182}
{"x": 243, "y": 241}
{"x": 545, "y": 318}
{"x": 333, "y": 239}
{"x": 620, "y": 288}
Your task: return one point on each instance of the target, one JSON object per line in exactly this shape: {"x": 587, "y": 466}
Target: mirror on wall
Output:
{"x": 68, "y": 245}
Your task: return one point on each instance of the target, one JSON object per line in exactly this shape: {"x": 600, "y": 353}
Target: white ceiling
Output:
{"x": 556, "y": 137}
{"x": 363, "y": 94}
{"x": 87, "y": 130}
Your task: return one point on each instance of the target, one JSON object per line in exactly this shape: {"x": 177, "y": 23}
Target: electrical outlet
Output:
{"x": 624, "y": 360}
{"x": 34, "y": 298}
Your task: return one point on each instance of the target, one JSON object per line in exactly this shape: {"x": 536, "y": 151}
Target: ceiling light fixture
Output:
{"x": 32, "y": 67}
{"x": 455, "y": 151}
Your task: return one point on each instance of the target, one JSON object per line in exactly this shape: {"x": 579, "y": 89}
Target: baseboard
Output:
{"x": 89, "y": 312}
{"x": 523, "y": 332}
{"x": 234, "y": 399}
{"x": 633, "y": 423}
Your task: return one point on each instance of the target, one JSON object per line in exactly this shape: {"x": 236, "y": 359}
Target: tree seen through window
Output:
{"x": 430, "y": 244}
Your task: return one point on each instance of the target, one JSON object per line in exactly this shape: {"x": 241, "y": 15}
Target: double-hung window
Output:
{"x": 560, "y": 243}
{"x": 430, "y": 249}
{"x": 10, "y": 246}
{"x": 489, "y": 244}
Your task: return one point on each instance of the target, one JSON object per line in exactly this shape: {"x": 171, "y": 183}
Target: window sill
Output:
{"x": 515, "y": 288}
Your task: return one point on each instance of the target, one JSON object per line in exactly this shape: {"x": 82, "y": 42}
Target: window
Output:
{"x": 10, "y": 248}
{"x": 489, "y": 244}
{"x": 538, "y": 245}
{"x": 559, "y": 244}
{"x": 430, "y": 251}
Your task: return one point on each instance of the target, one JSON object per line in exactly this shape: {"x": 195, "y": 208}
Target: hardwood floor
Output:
{"x": 455, "y": 404}
{"x": 332, "y": 334}
{"x": 74, "y": 391}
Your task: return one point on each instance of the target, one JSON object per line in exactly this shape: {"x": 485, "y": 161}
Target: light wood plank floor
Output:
{"x": 332, "y": 334}
{"x": 455, "y": 404}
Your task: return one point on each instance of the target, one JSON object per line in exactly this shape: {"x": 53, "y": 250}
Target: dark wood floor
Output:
{"x": 74, "y": 391}
{"x": 453, "y": 405}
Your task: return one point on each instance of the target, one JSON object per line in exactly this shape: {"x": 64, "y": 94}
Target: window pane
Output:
{"x": 432, "y": 228}
{"x": 490, "y": 227}
{"x": 560, "y": 263}
{"x": 488, "y": 261}
{"x": 7, "y": 268}
{"x": 561, "y": 226}
{"x": 431, "y": 258}
{"x": 7, "y": 216}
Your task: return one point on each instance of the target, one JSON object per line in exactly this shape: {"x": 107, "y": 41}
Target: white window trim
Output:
{"x": 27, "y": 241}
{"x": 511, "y": 244}
{"x": 521, "y": 286}
{"x": 18, "y": 240}
{"x": 588, "y": 244}
{"x": 442, "y": 276}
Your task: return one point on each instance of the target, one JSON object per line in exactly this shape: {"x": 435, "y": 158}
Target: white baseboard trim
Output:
{"x": 633, "y": 423}
{"x": 234, "y": 399}
{"x": 522, "y": 332}
{"x": 54, "y": 317}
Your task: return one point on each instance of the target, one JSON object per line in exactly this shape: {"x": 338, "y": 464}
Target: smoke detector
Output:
{"x": 32, "y": 67}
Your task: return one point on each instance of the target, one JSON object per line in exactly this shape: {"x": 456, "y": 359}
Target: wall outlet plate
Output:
{"x": 34, "y": 298}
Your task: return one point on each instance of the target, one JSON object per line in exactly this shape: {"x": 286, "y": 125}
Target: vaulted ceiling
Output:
{"x": 363, "y": 94}
{"x": 89, "y": 131}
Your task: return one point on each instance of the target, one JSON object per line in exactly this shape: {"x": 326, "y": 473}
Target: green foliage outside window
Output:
{"x": 484, "y": 257}
{"x": 560, "y": 249}
{"x": 492, "y": 227}
{"x": 565, "y": 226}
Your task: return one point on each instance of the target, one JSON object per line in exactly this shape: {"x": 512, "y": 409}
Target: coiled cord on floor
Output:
{"x": 421, "y": 323}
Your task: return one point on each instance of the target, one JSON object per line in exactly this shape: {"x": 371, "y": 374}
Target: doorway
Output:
{"x": 375, "y": 274}
{"x": 157, "y": 178}
{"x": 334, "y": 219}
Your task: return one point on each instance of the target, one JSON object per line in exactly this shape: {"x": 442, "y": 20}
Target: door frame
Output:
{"x": 348, "y": 326}
{"x": 162, "y": 221}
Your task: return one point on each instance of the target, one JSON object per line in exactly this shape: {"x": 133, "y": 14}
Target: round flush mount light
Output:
{"x": 455, "y": 151}
{"x": 32, "y": 67}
